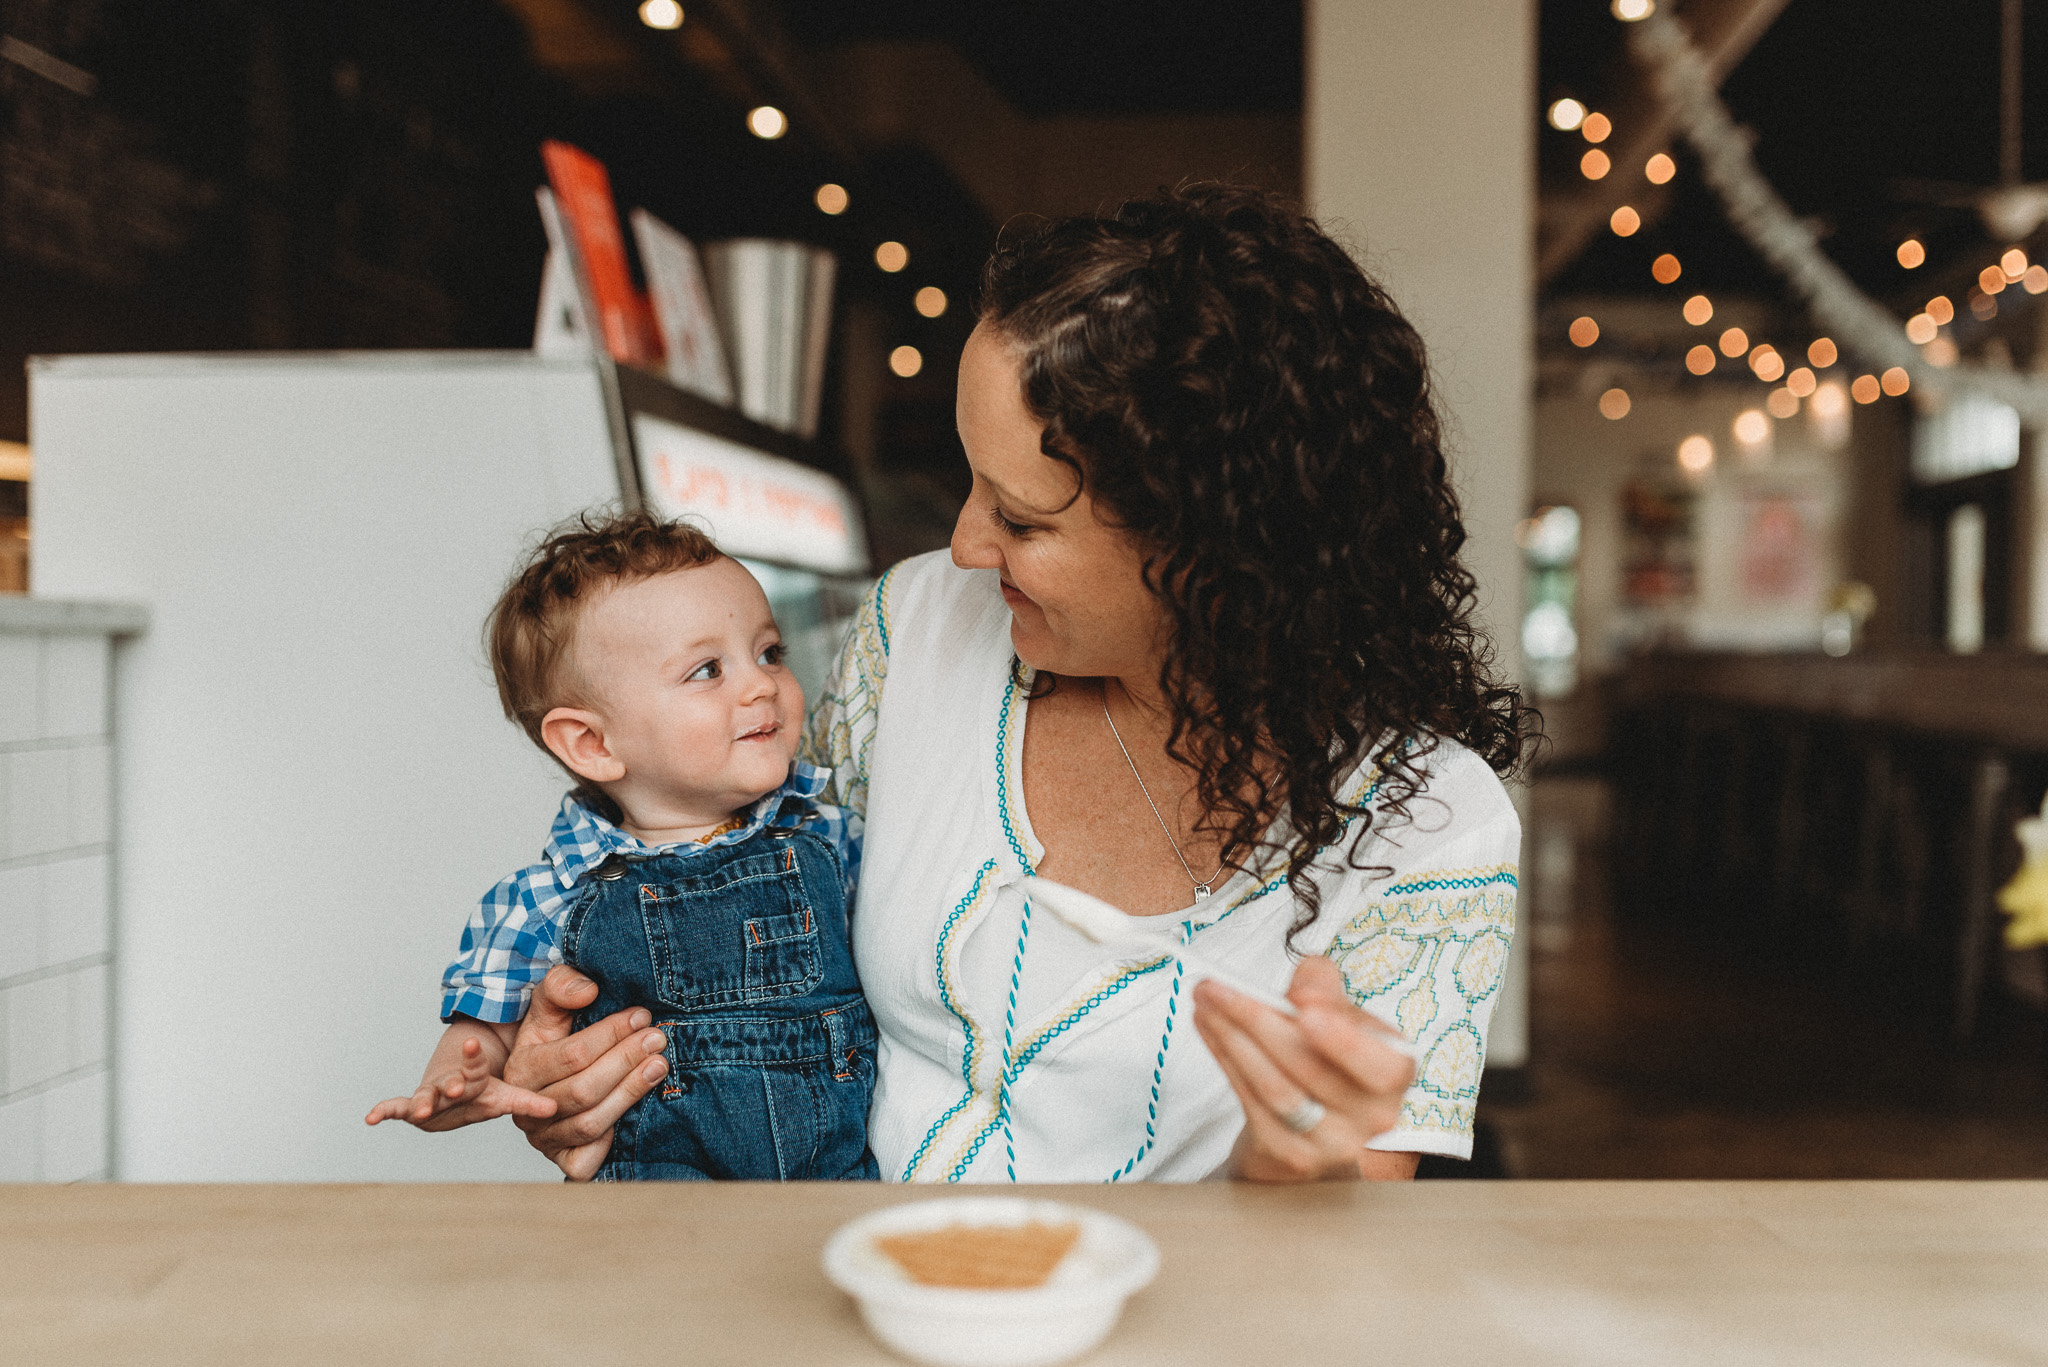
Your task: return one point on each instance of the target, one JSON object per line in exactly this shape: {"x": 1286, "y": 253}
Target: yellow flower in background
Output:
{"x": 2025, "y": 898}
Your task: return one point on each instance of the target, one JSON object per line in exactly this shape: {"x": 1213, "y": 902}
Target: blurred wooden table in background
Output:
{"x": 1515, "y": 1273}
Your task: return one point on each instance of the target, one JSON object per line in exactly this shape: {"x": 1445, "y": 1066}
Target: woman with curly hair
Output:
{"x": 1203, "y": 648}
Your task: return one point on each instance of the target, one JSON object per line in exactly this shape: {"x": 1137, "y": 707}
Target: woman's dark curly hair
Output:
{"x": 1231, "y": 388}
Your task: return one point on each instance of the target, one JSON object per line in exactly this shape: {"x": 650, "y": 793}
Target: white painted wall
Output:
{"x": 1586, "y": 460}
{"x": 55, "y": 847}
{"x": 1419, "y": 122}
{"x": 314, "y": 780}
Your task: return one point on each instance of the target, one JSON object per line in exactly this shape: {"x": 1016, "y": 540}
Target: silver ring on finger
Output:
{"x": 1304, "y": 1115}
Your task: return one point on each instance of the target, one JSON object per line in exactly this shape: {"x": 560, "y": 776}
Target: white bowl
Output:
{"x": 956, "y": 1327}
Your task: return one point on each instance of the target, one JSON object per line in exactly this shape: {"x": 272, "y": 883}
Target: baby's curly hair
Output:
{"x": 1233, "y": 389}
{"x": 528, "y": 634}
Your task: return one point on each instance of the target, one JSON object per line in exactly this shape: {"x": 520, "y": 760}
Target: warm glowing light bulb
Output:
{"x": 1829, "y": 401}
{"x": 1896, "y": 381}
{"x": 931, "y": 301}
{"x": 2036, "y": 279}
{"x": 1659, "y": 169}
{"x": 663, "y": 14}
{"x": 1665, "y": 269}
{"x": 1783, "y": 403}
{"x": 1941, "y": 310}
{"x": 1821, "y": 351}
{"x": 1596, "y": 127}
{"x": 1696, "y": 454}
{"x": 1983, "y": 306}
{"x": 1911, "y": 253}
{"x": 1698, "y": 309}
{"x": 1625, "y": 221}
{"x": 1751, "y": 427}
{"x": 1920, "y": 329}
{"x": 1583, "y": 332}
{"x": 1614, "y": 404}
{"x": 1629, "y": 11}
{"x": 1734, "y": 342}
{"x": 1991, "y": 280}
{"x": 1801, "y": 382}
{"x": 1941, "y": 353}
{"x": 906, "y": 361}
{"x": 892, "y": 256}
{"x": 766, "y": 121}
{"x": 831, "y": 199}
{"x": 1767, "y": 363}
{"x": 1594, "y": 164}
{"x": 1567, "y": 114}
{"x": 1865, "y": 389}
{"x": 1700, "y": 359}
{"x": 2013, "y": 263}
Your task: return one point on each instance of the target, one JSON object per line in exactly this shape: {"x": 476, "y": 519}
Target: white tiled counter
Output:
{"x": 55, "y": 914}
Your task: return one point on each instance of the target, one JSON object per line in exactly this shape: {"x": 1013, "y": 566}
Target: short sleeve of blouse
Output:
{"x": 1427, "y": 948}
{"x": 840, "y": 732}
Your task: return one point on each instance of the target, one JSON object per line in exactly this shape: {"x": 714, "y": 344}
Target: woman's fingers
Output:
{"x": 1371, "y": 1052}
{"x": 581, "y": 1163}
{"x": 589, "y": 1063}
{"x": 1372, "y": 1057}
{"x": 1264, "y": 1081}
{"x": 551, "y": 1014}
{"x": 1267, "y": 1151}
{"x": 587, "y": 1124}
{"x": 1307, "y": 1068}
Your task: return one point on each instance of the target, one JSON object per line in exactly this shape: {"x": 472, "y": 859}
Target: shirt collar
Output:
{"x": 582, "y": 839}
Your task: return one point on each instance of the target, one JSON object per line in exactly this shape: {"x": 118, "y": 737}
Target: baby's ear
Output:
{"x": 575, "y": 736}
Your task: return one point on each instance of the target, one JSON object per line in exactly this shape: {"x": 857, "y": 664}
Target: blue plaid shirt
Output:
{"x": 510, "y": 941}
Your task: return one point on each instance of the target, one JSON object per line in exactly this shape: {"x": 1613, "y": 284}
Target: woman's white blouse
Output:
{"x": 1012, "y": 1050}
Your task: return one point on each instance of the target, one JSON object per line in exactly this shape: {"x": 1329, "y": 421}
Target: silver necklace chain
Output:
{"x": 1203, "y": 886}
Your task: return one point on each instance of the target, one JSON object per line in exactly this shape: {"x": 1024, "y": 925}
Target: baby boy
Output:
{"x": 691, "y": 872}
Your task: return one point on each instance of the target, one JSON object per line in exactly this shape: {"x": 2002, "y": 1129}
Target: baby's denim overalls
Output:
{"x": 741, "y": 952}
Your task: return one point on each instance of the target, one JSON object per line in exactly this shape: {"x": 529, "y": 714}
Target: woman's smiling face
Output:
{"x": 1074, "y": 582}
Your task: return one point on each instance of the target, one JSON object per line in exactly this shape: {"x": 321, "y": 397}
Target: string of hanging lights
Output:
{"x": 1681, "y": 79}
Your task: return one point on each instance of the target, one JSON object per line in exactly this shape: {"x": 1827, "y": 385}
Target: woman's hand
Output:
{"x": 592, "y": 1075}
{"x": 1333, "y": 1055}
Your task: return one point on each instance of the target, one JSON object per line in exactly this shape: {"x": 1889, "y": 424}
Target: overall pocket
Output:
{"x": 741, "y": 933}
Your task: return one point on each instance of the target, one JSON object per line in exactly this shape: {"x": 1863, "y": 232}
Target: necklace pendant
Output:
{"x": 1201, "y": 891}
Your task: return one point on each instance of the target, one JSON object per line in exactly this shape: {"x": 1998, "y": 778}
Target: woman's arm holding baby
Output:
{"x": 565, "y": 1087}
{"x": 589, "y": 1077}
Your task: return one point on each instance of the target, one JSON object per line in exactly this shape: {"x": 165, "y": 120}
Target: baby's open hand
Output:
{"x": 469, "y": 1088}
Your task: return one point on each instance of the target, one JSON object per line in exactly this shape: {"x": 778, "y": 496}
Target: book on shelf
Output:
{"x": 561, "y": 324}
{"x": 682, "y": 309}
{"x": 746, "y": 323}
{"x": 583, "y": 198}
{"x": 774, "y": 305}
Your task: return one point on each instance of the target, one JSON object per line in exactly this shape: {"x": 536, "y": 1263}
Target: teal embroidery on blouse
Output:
{"x": 946, "y": 996}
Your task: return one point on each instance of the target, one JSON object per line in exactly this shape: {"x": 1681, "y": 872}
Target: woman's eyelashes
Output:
{"x": 1008, "y": 527}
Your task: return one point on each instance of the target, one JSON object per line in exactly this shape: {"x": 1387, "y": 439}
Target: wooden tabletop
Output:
{"x": 1731, "y": 1273}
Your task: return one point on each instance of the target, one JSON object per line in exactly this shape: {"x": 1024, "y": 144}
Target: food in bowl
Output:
{"x": 985, "y": 1256}
{"x": 1070, "y": 1309}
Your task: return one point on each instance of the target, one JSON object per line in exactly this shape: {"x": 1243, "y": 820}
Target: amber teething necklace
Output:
{"x": 1203, "y": 886}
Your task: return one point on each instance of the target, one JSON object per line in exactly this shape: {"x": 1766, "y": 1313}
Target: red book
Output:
{"x": 584, "y": 192}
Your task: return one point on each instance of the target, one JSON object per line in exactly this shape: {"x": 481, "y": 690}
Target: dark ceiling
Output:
{"x": 1095, "y": 56}
{"x": 1847, "y": 99}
